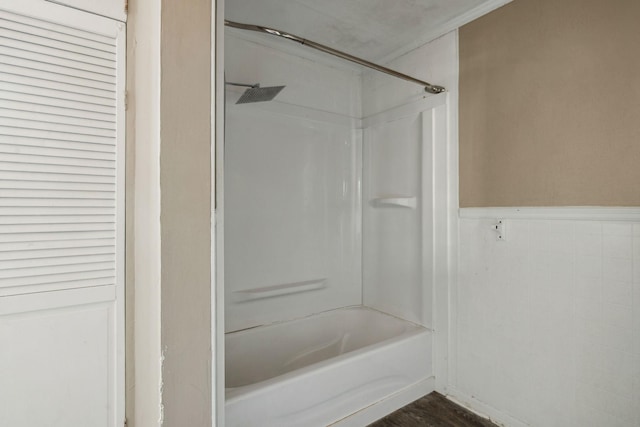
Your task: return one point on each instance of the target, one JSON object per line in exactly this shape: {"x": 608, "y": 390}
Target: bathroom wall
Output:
{"x": 292, "y": 182}
{"x": 549, "y": 100}
{"x": 548, "y": 321}
{"x": 185, "y": 202}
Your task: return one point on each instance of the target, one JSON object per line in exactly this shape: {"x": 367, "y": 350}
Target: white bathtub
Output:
{"x": 348, "y": 366}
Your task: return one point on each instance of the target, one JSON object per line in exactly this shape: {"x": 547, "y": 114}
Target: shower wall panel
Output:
{"x": 392, "y": 221}
{"x": 402, "y": 176}
{"x": 292, "y": 202}
{"x": 407, "y": 138}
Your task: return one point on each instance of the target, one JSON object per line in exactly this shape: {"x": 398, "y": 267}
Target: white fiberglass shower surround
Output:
{"x": 336, "y": 219}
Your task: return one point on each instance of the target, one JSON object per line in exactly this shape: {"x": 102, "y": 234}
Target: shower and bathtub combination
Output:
{"x": 332, "y": 214}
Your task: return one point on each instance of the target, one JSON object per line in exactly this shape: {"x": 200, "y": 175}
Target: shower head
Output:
{"x": 255, "y": 93}
{"x": 259, "y": 94}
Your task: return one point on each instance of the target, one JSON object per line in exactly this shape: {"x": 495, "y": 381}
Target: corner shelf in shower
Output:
{"x": 281, "y": 289}
{"x": 395, "y": 201}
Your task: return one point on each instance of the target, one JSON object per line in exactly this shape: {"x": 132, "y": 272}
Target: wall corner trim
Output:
{"x": 584, "y": 213}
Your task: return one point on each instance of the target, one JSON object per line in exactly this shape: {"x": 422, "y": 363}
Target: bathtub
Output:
{"x": 345, "y": 367}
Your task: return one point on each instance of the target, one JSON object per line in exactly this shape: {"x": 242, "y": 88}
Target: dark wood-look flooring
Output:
{"x": 433, "y": 410}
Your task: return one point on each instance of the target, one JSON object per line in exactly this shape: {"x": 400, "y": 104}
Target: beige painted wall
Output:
{"x": 550, "y": 105}
{"x": 185, "y": 182}
{"x": 168, "y": 213}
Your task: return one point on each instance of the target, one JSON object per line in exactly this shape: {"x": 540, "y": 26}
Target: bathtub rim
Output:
{"x": 233, "y": 394}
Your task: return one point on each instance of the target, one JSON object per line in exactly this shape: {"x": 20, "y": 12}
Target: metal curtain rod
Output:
{"x": 428, "y": 87}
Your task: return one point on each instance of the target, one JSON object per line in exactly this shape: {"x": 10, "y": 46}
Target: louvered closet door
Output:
{"x": 61, "y": 216}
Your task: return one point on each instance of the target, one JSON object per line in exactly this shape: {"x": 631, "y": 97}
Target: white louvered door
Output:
{"x": 61, "y": 216}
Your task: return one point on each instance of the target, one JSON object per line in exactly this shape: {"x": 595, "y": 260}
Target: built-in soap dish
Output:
{"x": 395, "y": 201}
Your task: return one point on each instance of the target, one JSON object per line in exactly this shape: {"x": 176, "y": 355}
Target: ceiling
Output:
{"x": 372, "y": 29}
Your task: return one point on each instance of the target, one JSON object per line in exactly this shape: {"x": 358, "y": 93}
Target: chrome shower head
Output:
{"x": 259, "y": 94}
{"x": 255, "y": 93}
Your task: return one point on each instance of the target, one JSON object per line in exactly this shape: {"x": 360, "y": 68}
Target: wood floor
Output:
{"x": 432, "y": 410}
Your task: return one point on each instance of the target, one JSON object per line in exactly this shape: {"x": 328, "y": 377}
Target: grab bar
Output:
{"x": 281, "y": 289}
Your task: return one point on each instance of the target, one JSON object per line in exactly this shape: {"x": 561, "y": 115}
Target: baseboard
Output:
{"x": 482, "y": 409}
{"x": 386, "y": 406}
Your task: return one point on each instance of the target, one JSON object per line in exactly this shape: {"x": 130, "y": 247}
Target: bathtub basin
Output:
{"x": 322, "y": 369}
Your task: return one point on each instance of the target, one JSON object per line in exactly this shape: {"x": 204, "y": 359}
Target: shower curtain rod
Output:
{"x": 428, "y": 87}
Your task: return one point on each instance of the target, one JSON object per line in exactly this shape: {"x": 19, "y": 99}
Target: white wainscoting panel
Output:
{"x": 548, "y": 323}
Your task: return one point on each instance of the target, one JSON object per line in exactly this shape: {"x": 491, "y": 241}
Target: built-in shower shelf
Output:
{"x": 395, "y": 201}
{"x": 280, "y": 289}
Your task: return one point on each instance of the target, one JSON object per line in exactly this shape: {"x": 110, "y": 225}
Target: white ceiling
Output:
{"x": 372, "y": 29}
